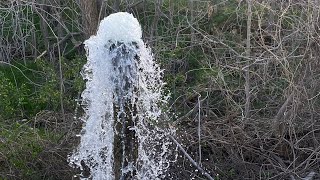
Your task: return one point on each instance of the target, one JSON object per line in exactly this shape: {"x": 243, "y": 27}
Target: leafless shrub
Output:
{"x": 276, "y": 135}
{"x": 21, "y": 36}
{"x": 246, "y": 95}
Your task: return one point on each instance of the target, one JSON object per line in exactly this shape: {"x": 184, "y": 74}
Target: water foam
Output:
{"x": 123, "y": 83}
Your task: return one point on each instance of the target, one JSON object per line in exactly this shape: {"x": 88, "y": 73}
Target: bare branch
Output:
{"x": 190, "y": 159}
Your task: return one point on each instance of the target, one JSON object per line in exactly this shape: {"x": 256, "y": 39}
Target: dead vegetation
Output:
{"x": 246, "y": 95}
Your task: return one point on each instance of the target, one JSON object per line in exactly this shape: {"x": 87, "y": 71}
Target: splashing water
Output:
{"x": 123, "y": 100}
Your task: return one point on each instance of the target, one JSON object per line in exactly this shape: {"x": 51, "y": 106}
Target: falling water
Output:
{"x": 123, "y": 136}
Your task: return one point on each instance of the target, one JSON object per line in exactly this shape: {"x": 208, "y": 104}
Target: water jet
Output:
{"x": 121, "y": 136}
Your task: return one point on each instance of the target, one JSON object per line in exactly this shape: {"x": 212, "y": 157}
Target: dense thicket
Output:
{"x": 243, "y": 76}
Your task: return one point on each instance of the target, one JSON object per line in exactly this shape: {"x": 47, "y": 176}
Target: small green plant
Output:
{"x": 12, "y": 97}
{"x": 27, "y": 89}
{"x": 20, "y": 146}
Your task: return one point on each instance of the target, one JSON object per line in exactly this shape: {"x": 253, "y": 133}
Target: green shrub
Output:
{"x": 27, "y": 89}
{"x": 12, "y": 97}
{"x": 20, "y": 149}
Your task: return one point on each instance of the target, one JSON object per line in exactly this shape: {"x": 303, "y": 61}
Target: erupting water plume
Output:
{"x": 123, "y": 102}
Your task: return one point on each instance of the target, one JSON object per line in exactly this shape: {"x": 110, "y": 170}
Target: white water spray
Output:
{"x": 123, "y": 101}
